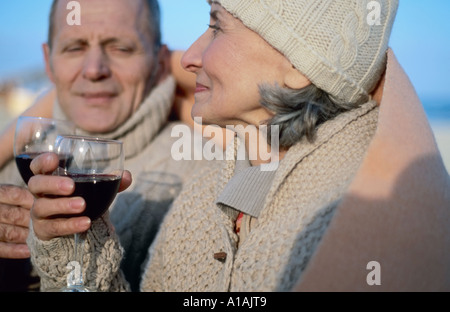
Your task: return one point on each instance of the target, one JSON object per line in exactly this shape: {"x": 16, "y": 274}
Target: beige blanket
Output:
{"x": 397, "y": 210}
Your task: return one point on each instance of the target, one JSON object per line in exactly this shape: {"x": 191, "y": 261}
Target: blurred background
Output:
{"x": 420, "y": 40}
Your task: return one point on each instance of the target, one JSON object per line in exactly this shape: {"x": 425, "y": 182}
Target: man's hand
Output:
{"x": 15, "y": 205}
{"x": 51, "y": 200}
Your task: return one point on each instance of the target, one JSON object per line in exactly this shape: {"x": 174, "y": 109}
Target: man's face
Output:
{"x": 102, "y": 68}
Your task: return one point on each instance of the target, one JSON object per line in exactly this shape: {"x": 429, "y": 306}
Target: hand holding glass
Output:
{"x": 96, "y": 166}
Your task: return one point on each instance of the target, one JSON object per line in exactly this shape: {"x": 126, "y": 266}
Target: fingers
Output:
{"x": 42, "y": 184}
{"x": 13, "y": 241}
{"x": 15, "y": 216}
{"x": 54, "y": 214}
{"x": 13, "y": 234}
{"x": 14, "y": 251}
{"x": 48, "y": 229}
{"x": 126, "y": 181}
{"x": 51, "y": 185}
{"x": 16, "y": 196}
{"x": 15, "y": 205}
{"x": 51, "y": 217}
{"x": 45, "y": 163}
{"x": 51, "y": 208}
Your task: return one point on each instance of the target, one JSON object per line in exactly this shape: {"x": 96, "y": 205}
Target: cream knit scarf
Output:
{"x": 139, "y": 130}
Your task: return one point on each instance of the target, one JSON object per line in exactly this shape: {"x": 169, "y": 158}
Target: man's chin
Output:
{"x": 96, "y": 127}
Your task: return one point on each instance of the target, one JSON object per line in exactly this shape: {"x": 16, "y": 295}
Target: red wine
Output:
{"x": 23, "y": 162}
{"x": 98, "y": 191}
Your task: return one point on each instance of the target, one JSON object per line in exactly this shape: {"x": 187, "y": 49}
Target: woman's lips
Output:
{"x": 200, "y": 88}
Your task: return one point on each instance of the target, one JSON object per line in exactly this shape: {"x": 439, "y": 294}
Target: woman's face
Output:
{"x": 230, "y": 62}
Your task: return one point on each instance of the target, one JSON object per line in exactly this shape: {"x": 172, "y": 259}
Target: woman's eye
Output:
{"x": 215, "y": 28}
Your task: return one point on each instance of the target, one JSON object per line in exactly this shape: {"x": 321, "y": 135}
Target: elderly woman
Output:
{"x": 359, "y": 199}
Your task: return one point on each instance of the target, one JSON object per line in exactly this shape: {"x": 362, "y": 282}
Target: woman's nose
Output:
{"x": 192, "y": 58}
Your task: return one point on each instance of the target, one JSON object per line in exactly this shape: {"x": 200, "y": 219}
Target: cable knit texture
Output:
{"x": 272, "y": 258}
{"x": 293, "y": 231}
{"x": 102, "y": 255}
{"x": 294, "y": 218}
{"x": 330, "y": 42}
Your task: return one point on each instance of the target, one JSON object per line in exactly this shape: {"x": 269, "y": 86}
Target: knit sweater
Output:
{"x": 183, "y": 257}
{"x": 308, "y": 232}
{"x": 294, "y": 218}
{"x": 396, "y": 211}
{"x": 157, "y": 178}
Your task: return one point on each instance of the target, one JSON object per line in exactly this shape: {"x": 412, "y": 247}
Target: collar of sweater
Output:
{"x": 297, "y": 152}
{"x": 139, "y": 130}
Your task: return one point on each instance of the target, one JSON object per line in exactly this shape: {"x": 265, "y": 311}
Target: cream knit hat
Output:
{"x": 339, "y": 45}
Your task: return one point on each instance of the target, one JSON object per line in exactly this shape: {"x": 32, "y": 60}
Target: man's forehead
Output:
{"x": 103, "y": 3}
{"x": 127, "y": 12}
{"x": 107, "y": 17}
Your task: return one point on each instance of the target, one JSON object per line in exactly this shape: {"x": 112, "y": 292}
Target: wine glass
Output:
{"x": 34, "y": 136}
{"x": 96, "y": 166}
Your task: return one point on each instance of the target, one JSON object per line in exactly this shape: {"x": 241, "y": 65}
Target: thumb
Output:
{"x": 127, "y": 179}
{"x": 45, "y": 163}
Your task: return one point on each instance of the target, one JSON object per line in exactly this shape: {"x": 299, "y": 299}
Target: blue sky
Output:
{"x": 420, "y": 38}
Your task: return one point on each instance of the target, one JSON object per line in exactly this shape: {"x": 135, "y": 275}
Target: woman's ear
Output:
{"x": 295, "y": 80}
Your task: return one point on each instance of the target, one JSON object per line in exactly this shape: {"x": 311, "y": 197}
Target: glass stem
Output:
{"x": 79, "y": 252}
{"x": 75, "y": 277}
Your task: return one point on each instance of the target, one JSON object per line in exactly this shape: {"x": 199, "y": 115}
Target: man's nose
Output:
{"x": 96, "y": 65}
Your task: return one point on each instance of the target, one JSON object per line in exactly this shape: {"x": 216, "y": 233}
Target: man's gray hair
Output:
{"x": 298, "y": 113}
{"x": 153, "y": 19}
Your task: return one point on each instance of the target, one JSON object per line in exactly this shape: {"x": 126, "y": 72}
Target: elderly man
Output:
{"x": 111, "y": 79}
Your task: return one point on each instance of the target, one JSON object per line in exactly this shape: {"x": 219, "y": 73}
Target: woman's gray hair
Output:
{"x": 298, "y": 112}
